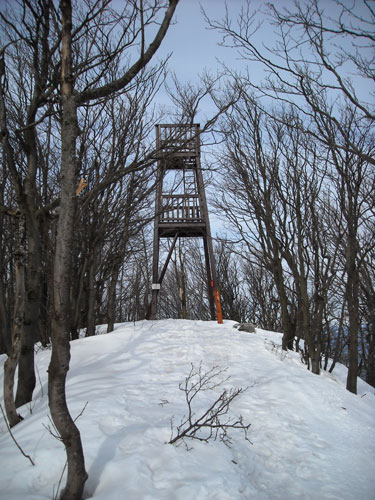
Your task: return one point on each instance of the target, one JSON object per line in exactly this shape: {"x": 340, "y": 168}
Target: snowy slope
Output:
{"x": 310, "y": 438}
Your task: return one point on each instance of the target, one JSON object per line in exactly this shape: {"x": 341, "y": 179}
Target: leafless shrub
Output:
{"x": 214, "y": 422}
{"x": 276, "y": 348}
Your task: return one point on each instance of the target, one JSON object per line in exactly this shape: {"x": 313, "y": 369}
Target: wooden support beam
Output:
{"x": 168, "y": 259}
{"x": 155, "y": 290}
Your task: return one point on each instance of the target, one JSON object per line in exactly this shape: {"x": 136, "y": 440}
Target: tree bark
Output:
{"x": 12, "y": 361}
{"x": 60, "y": 358}
{"x": 91, "y": 298}
{"x": 288, "y": 326}
{"x": 5, "y": 332}
{"x": 5, "y": 336}
{"x": 78, "y": 298}
{"x": 111, "y": 305}
{"x": 30, "y": 334}
{"x": 352, "y": 298}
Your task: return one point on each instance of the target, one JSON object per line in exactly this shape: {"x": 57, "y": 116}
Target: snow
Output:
{"x": 310, "y": 438}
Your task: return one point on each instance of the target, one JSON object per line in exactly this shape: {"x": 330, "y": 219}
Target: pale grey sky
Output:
{"x": 195, "y": 48}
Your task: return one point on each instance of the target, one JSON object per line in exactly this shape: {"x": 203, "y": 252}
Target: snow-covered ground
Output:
{"x": 310, "y": 438}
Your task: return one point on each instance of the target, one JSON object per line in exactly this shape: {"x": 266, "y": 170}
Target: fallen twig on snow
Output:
{"x": 210, "y": 422}
{"x": 14, "y": 439}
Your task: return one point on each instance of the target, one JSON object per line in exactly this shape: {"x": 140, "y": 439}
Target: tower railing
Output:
{"x": 180, "y": 209}
{"x": 180, "y": 140}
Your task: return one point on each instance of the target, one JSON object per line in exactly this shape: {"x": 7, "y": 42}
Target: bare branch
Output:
{"x": 210, "y": 425}
{"x": 14, "y": 439}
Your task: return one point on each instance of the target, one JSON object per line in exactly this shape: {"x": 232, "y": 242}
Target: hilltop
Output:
{"x": 309, "y": 437}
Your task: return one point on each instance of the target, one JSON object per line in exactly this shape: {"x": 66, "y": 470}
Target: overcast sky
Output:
{"x": 194, "y": 47}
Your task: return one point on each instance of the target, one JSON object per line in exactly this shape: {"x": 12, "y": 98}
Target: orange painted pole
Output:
{"x": 219, "y": 312}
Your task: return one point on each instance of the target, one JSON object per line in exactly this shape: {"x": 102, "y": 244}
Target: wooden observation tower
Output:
{"x": 181, "y": 206}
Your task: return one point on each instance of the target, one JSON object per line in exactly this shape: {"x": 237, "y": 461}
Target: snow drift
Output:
{"x": 310, "y": 438}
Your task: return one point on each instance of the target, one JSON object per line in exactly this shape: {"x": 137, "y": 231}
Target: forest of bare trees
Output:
{"x": 304, "y": 168}
{"x": 76, "y": 82}
{"x": 293, "y": 184}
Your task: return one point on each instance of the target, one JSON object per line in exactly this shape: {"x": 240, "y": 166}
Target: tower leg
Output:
{"x": 210, "y": 282}
{"x": 155, "y": 277}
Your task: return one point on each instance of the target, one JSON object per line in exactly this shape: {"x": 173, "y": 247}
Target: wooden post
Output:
{"x": 156, "y": 247}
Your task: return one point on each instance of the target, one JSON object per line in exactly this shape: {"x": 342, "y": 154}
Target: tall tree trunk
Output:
{"x": 352, "y": 300}
{"x": 60, "y": 358}
{"x": 5, "y": 334}
{"x": 370, "y": 362}
{"x": 313, "y": 347}
{"x": 30, "y": 202}
{"x": 30, "y": 335}
{"x": 182, "y": 290}
{"x": 12, "y": 361}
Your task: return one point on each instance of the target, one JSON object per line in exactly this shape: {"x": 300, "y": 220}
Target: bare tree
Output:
{"x": 263, "y": 308}
{"x": 272, "y": 193}
{"x": 26, "y": 79}
{"x": 234, "y": 300}
{"x": 249, "y": 199}
{"x": 6, "y": 242}
{"x": 62, "y": 263}
{"x": 308, "y": 64}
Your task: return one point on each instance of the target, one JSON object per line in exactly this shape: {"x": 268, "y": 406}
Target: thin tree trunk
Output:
{"x": 288, "y": 326}
{"x": 182, "y": 285}
{"x": 313, "y": 347}
{"x": 370, "y": 362}
{"x": 352, "y": 298}
{"x": 111, "y": 304}
{"x": 5, "y": 336}
{"x": 74, "y": 328}
{"x": 60, "y": 358}
{"x": 90, "y": 331}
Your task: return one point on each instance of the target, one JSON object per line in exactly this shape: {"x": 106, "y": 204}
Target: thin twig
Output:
{"x": 14, "y": 439}
{"x": 81, "y": 413}
{"x": 55, "y": 496}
